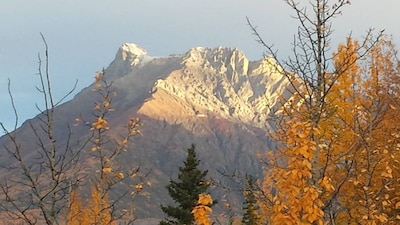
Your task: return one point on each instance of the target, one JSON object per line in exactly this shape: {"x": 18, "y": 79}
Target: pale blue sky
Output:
{"x": 84, "y": 36}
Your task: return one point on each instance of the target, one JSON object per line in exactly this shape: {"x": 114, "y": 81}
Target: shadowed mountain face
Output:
{"x": 214, "y": 98}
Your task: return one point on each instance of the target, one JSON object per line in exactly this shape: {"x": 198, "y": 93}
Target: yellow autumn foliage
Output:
{"x": 100, "y": 123}
{"x": 344, "y": 166}
{"x": 95, "y": 211}
{"x": 295, "y": 200}
{"x": 202, "y": 210}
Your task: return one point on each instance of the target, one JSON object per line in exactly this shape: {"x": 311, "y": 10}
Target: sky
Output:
{"x": 83, "y": 36}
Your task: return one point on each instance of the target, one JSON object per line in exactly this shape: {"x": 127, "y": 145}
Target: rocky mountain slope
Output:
{"x": 214, "y": 98}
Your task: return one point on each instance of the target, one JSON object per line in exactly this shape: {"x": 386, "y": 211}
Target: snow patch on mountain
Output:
{"x": 133, "y": 49}
{"x": 128, "y": 57}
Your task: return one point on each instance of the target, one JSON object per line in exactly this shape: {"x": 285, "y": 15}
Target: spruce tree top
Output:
{"x": 185, "y": 192}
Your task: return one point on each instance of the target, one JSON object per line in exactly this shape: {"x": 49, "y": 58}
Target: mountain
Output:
{"x": 214, "y": 98}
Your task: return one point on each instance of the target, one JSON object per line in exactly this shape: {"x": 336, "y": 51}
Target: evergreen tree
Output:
{"x": 251, "y": 215}
{"x": 185, "y": 192}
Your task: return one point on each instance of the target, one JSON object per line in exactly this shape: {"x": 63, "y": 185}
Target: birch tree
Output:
{"x": 317, "y": 142}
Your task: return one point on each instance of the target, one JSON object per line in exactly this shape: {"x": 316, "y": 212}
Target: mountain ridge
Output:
{"x": 236, "y": 86}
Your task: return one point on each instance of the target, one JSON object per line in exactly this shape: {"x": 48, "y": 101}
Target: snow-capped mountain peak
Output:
{"x": 219, "y": 81}
{"x": 133, "y": 49}
{"x": 129, "y": 55}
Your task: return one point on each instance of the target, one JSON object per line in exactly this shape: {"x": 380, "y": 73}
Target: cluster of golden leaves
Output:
{"x": 100, "y": 123}
{"x": 347, "y": 163}
{"x": 295, "y": 200}
{"x": 118, "y": 175}
{"x": 202, "y": 210}
{"x": 95, "y": 210}
{"x": 371, "y": 194}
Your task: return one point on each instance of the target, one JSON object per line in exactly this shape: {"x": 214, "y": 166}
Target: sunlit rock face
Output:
{"x": 220, "y": 81}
